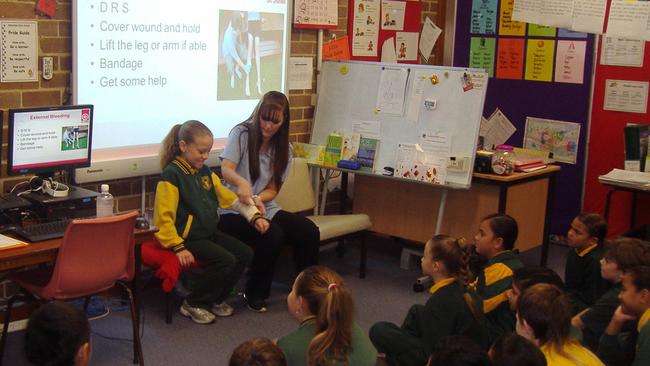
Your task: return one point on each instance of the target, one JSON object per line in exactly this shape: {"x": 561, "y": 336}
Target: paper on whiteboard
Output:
{"x": 392, "y": 88}
{"x": 388, "y": 51}
{"x": 414, "y": 97}
{"x": 406, "y": 153}
{"x": 370, "y": 129}
{"x": 435, "y": 144}
{"x": 500, "y": 129}
{"x": 589, "y": 16}
{"x": 300, "y": 72}
{"x": 428, "y": 38}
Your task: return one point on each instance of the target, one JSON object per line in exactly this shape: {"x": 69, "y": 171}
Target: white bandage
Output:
{"x": 249, "y": 212}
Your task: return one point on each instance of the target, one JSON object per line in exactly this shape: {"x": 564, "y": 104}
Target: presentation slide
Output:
{"x": 146, "y": 65}
{"x": 46, "y": 138}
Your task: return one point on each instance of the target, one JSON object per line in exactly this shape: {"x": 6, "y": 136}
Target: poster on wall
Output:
{"x": 365, "y": 32}
{"x": 558, "y": 137}
{"x": 570, "y": 61}
{"x": 18, "y": 51}
{"x": 313, "y": 14}
{"x": 626, "y": 96}
{"x": 392, "y": 15}
{"x": 484, "y": 16}
{"x": 622, "y": 52}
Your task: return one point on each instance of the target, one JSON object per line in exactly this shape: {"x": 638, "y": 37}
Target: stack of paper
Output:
{"x": 626, "y": 178}
{"x": 9, "y": 243}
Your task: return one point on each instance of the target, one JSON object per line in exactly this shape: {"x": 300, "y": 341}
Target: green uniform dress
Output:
{"x": 492, "y": 285}
{"x": 294, "y": 346}
{"x": 582, "y": 277}
{"x": 612, "y": 347}
{"x": 185, "y": 212}
{"x": 445, "y": 313}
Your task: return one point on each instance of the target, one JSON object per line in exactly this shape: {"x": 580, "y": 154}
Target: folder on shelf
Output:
{"x": 636, "y": 147}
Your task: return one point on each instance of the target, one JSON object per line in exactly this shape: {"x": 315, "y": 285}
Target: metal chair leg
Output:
{"x": 364, "y": 255}
{"x": 138, "y": 358}
{"x": 168, "y": 307}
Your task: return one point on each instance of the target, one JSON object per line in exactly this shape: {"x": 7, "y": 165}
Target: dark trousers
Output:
{"x": 225, "y": 258}
{"x": 286, "y": 227}
{"x": 402, "y": 346}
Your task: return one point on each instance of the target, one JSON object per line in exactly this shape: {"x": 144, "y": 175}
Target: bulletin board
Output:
{"x": 411, "y": 24}
{"x": 348, "y": 92}
{"x": 521, "y": 91}
{"x": 606, "y": 146}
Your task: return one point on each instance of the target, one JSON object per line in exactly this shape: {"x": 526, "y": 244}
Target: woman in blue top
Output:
{"x": 255, "y": 162}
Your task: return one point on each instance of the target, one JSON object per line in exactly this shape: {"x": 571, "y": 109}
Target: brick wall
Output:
{"x": 55, "y": 40}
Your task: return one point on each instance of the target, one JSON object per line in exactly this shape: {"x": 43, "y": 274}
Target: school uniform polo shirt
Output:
{"x": 574, "y": 354}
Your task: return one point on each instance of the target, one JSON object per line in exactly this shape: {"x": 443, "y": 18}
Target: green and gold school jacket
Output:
{"x": 186, "y": 204}
{"x": 492, "y": 285}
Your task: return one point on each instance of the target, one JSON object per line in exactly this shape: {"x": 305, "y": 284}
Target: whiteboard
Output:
{"x": 348, "y": 93}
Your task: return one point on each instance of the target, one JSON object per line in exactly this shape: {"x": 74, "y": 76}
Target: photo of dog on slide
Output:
{"x": 74, "y": 138}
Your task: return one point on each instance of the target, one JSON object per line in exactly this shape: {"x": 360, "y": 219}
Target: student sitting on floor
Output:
{"x": 327, "y": 335}
{"x": 621, "y": 254}
{"x": 525, "y": 277}
{"x": 582, "y": 272}
{"x": 452, "y": 309}
{"x": 635, "y": 306}
{"x": 544, "y": 318}
{"x": 257, "y": 352}
{"x": 515, "y": 350}
{"x": 58, "y": 334}
{"x": 495, "y": 240}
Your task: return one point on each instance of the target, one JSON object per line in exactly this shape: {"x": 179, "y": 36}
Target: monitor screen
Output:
{"x": 49, "y": 139}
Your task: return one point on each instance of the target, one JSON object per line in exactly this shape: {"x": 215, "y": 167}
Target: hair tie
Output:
{"x": 330, "y": 287}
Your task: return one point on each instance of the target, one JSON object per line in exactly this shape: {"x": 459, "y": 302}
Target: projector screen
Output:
{"x": 146, "y": 65}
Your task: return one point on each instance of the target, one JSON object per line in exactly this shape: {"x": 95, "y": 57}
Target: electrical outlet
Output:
{"x": 48, "y": 67}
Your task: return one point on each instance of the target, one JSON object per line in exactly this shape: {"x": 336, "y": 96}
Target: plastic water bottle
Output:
{"x": 104, "y": 202}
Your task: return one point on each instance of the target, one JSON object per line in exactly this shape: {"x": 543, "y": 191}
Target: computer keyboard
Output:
{"x": 42, "y": 231}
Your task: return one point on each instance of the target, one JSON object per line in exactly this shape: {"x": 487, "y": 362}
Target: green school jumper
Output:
{"x": 491, "y": 285}
{"x": 294, "y": 346}
{"x": 612, "y": 350}
{"x": 582, "y": 277}
{"x": 445, "y": 313}
{"x": 598, "y": 315}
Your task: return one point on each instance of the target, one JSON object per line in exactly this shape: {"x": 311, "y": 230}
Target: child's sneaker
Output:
{"x": 198, "y": 315}
{"x": 258, "y": 306}
{"x": 222, "y": 309}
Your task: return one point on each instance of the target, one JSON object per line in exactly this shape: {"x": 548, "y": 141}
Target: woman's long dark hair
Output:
{"x": 274, "y": 106}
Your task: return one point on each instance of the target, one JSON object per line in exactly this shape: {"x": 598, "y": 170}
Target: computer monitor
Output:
{"x": 48, "y": 139}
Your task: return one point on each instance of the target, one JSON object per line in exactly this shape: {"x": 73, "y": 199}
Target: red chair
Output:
{"x": 95, "y": 255}
{"x": 168, "y": 269}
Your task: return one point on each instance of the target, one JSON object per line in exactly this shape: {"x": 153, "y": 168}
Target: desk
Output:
{"x": 47, "y": 250}
{"x": 613, "y": 188}
{"x": 409, "y": 210}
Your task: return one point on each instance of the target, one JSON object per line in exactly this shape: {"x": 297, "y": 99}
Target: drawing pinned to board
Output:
{"x": 366, "y": 30}
{"x": 559, "y": 137}
{"x": 408, "y": 45}
{"x": 392, "y": 15}
{"x": 392, "y": 89}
